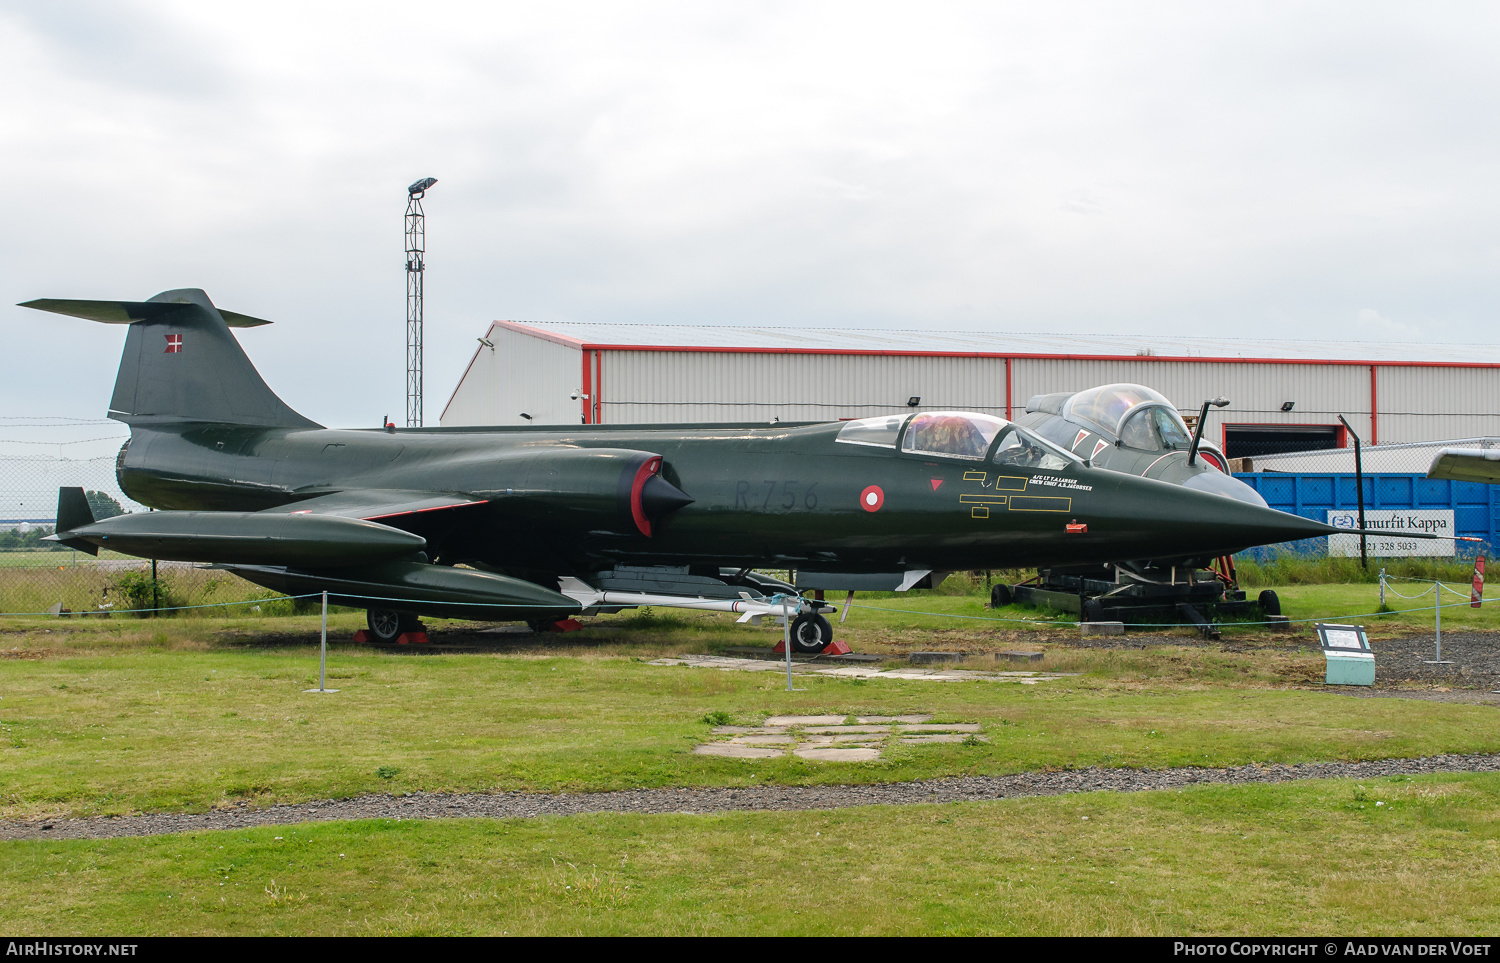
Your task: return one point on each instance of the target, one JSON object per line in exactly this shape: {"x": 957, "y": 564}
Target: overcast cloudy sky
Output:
{"x": 1254, "y": 170}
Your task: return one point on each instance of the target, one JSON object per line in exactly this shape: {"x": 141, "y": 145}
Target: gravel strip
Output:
{"x": 520, "y": 805}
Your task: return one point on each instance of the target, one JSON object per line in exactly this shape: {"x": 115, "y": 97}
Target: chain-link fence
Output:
{"x": 1275, "y": 455}
{"x": 1395, "y": 494}
{"x": 38, "y": 576}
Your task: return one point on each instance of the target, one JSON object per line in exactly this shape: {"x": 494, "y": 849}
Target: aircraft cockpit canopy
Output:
{"x": 879, "y": 432}
{"x": 1139, "y": 417}
{"x": 1021, "y": 449}
{"x": 955, "y": 434}
{"x": 1155, "y": 428}
{"x": 958, "y": 434}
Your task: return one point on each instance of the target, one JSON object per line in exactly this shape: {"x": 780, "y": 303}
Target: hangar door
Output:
{"x": 1242, "y": 441}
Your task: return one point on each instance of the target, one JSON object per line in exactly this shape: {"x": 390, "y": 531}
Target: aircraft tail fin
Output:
{"x": 73, "y": 511}
{"x": 182, "y": 363}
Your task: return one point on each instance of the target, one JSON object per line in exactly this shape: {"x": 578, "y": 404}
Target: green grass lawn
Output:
{"x": 124, "y": 715}
{"x": 1404, "y": 856}
{"x": 157, "y": 724}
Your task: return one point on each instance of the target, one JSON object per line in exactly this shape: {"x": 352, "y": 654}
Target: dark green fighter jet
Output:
{"x": 539, "y": 524}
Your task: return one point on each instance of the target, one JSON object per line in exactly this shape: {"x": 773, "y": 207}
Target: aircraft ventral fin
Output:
{"x": 376, "y": 504}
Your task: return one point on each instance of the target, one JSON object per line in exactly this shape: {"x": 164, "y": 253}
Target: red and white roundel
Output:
{"x": 872, "y": 498}
{"x": 1213, "y": 459}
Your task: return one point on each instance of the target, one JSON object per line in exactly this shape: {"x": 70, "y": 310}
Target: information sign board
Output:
{"x": 1347, "y": 649}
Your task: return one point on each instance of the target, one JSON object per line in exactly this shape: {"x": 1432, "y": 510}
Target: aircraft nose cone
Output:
{"x": 1164, "y": 519}
{"x": 1218, "y": 483}
{"x": 1254, "y": 525}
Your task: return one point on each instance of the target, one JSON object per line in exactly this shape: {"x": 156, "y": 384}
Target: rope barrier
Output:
{"x": 1153, "y": 625}
{"x": 1422, "y": 594}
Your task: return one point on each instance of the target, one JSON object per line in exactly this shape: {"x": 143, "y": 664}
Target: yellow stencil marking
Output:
{"x": 983, "y": 499}
{"x": 1009, "y": 483}
{"x": 979, "y": 511}
{"x": 1040, "y": 503}
{"x": 979, "y": 476}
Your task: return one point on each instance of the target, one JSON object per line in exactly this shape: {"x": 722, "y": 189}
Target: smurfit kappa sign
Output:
{"x": 1395, "y": 522}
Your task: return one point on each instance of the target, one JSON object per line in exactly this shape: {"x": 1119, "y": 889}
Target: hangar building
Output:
{"x": 1284, "y": 396}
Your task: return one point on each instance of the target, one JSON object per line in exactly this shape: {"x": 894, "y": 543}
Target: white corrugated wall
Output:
{"x": 521, "y": 373}
{"x": 1256, "y": 392}
{"x": 1420, "y": 404}
{"x": 679, "y": 386}
{"x": 535, "y": 375}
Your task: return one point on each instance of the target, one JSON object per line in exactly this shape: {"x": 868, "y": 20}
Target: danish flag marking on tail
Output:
{"x": 174, "y": 344}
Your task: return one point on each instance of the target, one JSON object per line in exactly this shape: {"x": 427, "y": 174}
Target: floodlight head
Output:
{"x": 421, "y": 186}
{"x": 1219, "y": 402}
{"x": 1287, "y": 405}
{"x": 913, "y": 401}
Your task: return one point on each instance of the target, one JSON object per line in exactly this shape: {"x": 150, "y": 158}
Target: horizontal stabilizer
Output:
{"x": 129, "y": 312}
{"x": 182, "y": 362}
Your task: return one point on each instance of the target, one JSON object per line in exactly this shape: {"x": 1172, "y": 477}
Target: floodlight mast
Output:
{"x": 416, "y": 250}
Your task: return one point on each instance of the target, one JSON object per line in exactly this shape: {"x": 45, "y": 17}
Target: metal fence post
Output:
{"x": 323, "y": 652}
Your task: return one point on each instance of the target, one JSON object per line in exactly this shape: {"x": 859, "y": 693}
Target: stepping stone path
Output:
{"x": 832, "y": 738}
{"x": 731, "y": 664}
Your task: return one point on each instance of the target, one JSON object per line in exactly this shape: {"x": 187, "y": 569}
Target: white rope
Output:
{"x": 1426, "y": 591}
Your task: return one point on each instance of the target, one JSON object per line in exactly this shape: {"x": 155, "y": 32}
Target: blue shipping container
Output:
{"x": 1474, "y": 504}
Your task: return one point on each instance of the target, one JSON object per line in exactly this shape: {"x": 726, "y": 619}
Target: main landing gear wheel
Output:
{"x": 1269, "y": 603}
{"x": 811, "y": 633}
{"x": 387, "y": 625}
{"x": 1000, "y": 595}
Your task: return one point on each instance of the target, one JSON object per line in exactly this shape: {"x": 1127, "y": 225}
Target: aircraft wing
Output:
{"x": 375, "y": 504}
{"x": 1466, "y": 464}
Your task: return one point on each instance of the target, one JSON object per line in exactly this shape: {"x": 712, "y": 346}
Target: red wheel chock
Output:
{"x": 564, "y": 625}
{"x": 833, "y": 648}
{"x": 362, "y": 637}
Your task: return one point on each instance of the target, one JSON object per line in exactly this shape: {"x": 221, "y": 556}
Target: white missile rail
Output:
{"x": 749, "y": 608}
